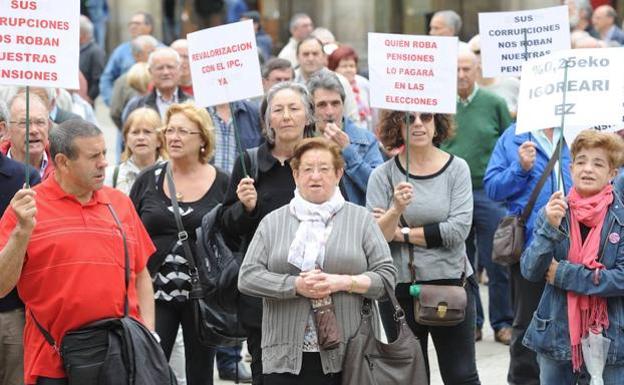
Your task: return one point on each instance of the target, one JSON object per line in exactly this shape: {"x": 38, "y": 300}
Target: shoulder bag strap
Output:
{"x": 182, "y": 234}
{"x": 398, "y": 310}
{"x": 48, "y": 337}
{"x": 115, "y": 176}
{"x": 538, "y": 187}
{"x": 126, "y": 257}
{"x": 410, "y": 247}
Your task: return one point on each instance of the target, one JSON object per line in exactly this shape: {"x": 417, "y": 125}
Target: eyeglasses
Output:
{"x": 33, "y": 122}
{"x": 322, "y": 169}
{"x": 182, "y": 132}
{"x": 425, "y": 118}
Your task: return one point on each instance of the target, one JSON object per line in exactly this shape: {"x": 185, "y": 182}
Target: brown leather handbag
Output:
{"x": 441, "y": 304}
{"x": 508, "y": 239}
{"x": 369, "y": 361}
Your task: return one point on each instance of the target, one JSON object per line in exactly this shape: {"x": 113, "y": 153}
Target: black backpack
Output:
{"x": 218, "y": 265}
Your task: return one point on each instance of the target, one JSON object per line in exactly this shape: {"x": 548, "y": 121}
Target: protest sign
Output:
{"x": 583, "y": 87}
{"x": 224, "y": 64}
{"x": 509, "y": 39}
{"x": 39, "y": 43}
{"x": 570, "y": 133}
{"x": 413, "y": 73}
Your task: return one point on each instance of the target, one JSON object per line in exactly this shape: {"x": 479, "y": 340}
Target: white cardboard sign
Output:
{"x": 224, "y": 64}
{"x": 413, "y": 73}
{"x": 594, "y": 89}
{"x": 509, "y": 39}
{"x": 39, "y": 43}
{"x": 570, "y": 133}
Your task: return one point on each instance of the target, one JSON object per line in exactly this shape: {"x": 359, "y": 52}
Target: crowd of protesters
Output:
{"x": 379, "y": 194}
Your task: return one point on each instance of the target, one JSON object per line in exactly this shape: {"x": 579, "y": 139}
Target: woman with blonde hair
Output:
{"x": 143, "y": 149}
{"x": 188, "y": 136}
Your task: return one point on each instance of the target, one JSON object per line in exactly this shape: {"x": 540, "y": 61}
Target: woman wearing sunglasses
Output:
{"x": 428, "y": 214}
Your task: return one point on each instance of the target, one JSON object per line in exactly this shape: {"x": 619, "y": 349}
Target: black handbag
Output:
{"x": 369, "y": 361}
{"x": 218, "y": 265}
{"x": 112, "y": 351}
{"x": 214, "y": 325}
{"x": 509, "y": 236}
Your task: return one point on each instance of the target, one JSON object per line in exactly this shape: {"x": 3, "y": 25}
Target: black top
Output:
{"x": 275, "y": 187}
{"x": 156, "y": 211}
{"x": 12, "y": 177}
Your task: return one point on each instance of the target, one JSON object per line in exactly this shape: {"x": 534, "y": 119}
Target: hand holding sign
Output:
{"x": 526, "y": 153}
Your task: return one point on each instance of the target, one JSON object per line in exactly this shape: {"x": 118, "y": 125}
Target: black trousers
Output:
{"x": 311, "y": 374}
{"x": 455, "y": 345}
{"x": 250, "y": 317}
{"x": 199, "y": 358}
{"x": 523, "y": 368}
{"x": 51, "y": 381}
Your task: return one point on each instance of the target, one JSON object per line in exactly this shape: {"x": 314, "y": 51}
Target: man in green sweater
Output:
{"x": 481, "y": 118}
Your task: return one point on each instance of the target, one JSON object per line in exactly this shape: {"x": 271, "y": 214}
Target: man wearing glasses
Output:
{"x": 120, "y": 61}
{"x": 14, "y": 146}
{"x": 11, "y": 307}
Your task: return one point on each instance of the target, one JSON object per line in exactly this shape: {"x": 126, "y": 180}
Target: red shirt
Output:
{"x": 73, "y": 272}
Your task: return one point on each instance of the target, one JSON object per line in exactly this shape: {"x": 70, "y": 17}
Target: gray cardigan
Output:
{"x": 355, "y": 246}
{"x": 442, "y": 204}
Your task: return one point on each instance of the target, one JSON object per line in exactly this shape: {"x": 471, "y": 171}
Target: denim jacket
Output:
{"x": 548, "y": 332}
{"x": 361, "y": 157}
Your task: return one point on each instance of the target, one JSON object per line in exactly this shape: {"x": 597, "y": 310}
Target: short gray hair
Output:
{"x": 276, "y": 63}
{"x": 4, "y": 112}
{"x": 296, "y": 18}
{"x": 163, "y": 51}
{"x": 299, "y": 89}
{"x": 139, "y": 43}
{"x": 326, "y": 80}
{"x": 63, "y": 135}
{"x": 452, "y": 19}
{"x": 86, "y": 26}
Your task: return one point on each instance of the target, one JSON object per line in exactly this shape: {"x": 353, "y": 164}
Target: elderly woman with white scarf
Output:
{"x": 317, "y": 247}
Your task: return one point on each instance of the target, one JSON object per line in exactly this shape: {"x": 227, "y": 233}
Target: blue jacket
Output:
{"x": 548, "y": 332}
{"x": 506, "y": 181}
{"x": 361, "y": 157}
{"x": 247, "y": 116}
{"x": 119, "y": 62}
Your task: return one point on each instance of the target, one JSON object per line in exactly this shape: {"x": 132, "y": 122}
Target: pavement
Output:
{"x": 492, "y": 357}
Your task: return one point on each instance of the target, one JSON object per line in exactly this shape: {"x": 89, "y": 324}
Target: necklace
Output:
{"x": 179, "y": 195}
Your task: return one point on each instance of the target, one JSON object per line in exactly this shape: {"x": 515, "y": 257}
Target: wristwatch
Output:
{"x": 405, "y": 231}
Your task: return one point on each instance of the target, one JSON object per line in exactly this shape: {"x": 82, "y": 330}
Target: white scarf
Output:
{"x": 307, "y": 250}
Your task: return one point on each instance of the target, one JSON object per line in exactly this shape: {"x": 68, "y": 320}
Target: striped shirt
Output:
{"x": 225, "y": 149}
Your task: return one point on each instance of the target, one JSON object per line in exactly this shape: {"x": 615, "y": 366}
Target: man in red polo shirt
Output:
{"x": 62, "y": 248}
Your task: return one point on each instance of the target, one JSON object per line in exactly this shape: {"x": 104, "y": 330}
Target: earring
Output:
{"x": 203, "y": 149}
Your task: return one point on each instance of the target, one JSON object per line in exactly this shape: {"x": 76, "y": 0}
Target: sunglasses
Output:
{"x": 425, "y": 117}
